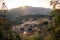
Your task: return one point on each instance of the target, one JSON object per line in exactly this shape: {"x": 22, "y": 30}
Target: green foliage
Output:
{"x": 31, "y": 37}
{"x": 49, "y": 37}
{"x": 55, "y": 12}
{"x": 55, "y": 26}
{"x": 6, "y": 32}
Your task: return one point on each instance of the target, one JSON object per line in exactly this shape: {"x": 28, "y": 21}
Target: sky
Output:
{"x": 18, "y": 3}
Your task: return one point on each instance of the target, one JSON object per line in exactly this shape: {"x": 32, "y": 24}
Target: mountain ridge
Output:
{"x": 28, "y": 10}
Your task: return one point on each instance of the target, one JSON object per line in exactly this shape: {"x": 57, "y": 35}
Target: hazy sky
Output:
{"x": 35, "y": 3}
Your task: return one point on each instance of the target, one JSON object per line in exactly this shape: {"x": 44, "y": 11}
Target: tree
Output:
{"x": 54, "y": 3}
{"x": 55, "y": 26}
{"x": 6, "y": 32}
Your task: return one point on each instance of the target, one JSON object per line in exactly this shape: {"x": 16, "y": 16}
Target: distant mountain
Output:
{"x": 17, "y": 15}
{"x": 28, "y": 10}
